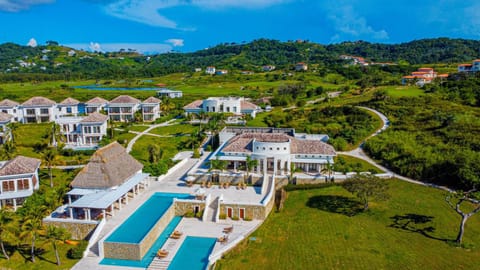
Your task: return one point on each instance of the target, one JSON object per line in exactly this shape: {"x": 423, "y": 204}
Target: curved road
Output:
{"x": 140, "y": 134}
{"x": 359, "y": 153}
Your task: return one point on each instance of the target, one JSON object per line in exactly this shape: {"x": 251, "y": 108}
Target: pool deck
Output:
{"x": 173, "y": 182}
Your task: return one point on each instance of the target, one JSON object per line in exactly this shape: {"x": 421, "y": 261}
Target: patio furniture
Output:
{"x": 223, "y": 239}
{"x": 162, "y": 253}
{"x": 228, "y": 229}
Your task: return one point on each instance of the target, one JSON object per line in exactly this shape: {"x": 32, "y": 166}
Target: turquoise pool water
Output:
{"x": 134, "y": 229}
{"x": 150, "y": 255}
{"x": 193, "y": 254}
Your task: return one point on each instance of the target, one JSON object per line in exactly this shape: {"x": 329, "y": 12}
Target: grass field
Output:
{"x": 403, "y": 91}
{"x": 352, "y": 164}
{"x": 170, "y": 147}
{"x": 179, "y": 129}
{"x": 322, "y": 229}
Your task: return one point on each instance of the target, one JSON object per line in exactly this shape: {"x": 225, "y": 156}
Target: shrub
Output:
{"x": 291, "y": 187}
{"x": 247, "y": 219}
{"x": 222, "y": 216}
{"x": 76, "y": 252}
{"x": 235, "y": 218}
{"x": 189, "y": 214}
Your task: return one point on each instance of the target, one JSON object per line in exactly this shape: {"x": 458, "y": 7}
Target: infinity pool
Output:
{"x": 136, "y": 227}
{"x": 193, "y": 254}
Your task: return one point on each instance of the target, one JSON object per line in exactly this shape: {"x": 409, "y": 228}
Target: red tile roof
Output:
{"x": 8, "y": 103}
{"x": 124, "y": 99}
{"x": 39, "y": 101}
{"x": 5, "y": 117}
{"x": 70, "y": 101}
{"x": 97, "y": 100}
{"x": 197, "y": 104}
{"x": 152, "y": 100}
{"x": 20, "y": 165}
{"x": 95, "y": 117}
{"x": 245, "y": 105}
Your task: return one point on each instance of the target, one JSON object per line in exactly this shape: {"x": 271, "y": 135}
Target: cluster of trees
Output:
{"x": 430, "y": 139}
{"x": 233, "y": 56}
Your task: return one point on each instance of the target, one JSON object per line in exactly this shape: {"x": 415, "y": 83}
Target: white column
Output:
{"x": 86, "y": 213}
{"x": 265, "y": 166}
{"x": 69, "y": 199}
{"x": 104, "y": 213}
{"x": 126, "y": 198}
{"x": 275, "y": 161}
{"x": 15, "y": 202}
{"x": 112, "y": 212}
{"x": 289, "y": 166}
{"x": 89, "y": 214}
{"x": 282, "y": 166}
{"x": 70, "y": 211}
{"x": 120, "y": 204}
{"x": 235, "y": 166}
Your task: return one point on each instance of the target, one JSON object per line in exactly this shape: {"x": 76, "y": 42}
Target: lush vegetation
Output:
{"x": 327, "y": 229}
{"x": 430, "y": 139}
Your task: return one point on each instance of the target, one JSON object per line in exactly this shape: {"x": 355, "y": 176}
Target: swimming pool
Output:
{"x": 193, "y": 254}
{"x": 134, "y": 229}
{"x": 150, "y": 255}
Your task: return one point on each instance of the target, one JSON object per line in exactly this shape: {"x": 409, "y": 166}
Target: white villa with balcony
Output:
{"x": 83, "y": 131}
{"x": 276, "y": 150}
{"x": 96, "y": 104}
{"x": 38, "y": 110}
{"x": 151, "y": 109}
{"x": 18, "y": 180}
{"x": 5, "y": 133}
{"x": 68, "y": 106}
{"x": 10, "y": 107}
{"x": 234, "y": 105}
{"x": 123, "y": 108}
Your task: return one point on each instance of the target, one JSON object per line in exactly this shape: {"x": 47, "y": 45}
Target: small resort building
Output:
{"x": 83, "y": 131}
{"x": 18, "y": 180}
{"x": 123, "y": 108}
{"x": 422, "y": 76}
{"x": 234, "y": 105}
{"x": 96, "y": 104}
{"x": 473, "y": 67}
{"x": 38, "y": 110}
{"x": 151, "y": 109}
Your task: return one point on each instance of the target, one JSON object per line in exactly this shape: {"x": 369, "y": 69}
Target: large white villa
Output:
{"x": 276, "y": 149}
{"x": 82, "y": 131}
{"x": 18, "y": 180}
{"x": 234, "y": 105}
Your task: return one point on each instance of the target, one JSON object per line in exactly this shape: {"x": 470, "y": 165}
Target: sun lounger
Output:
{"x": 223, "y": 239}
{"x": 162, "y": 253}
{"x": 228, "y": 229}
{"x": 177, "y": 233}
{"x": 175, "y": 236}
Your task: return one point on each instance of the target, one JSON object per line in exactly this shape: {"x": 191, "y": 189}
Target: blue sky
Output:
{"x": 190, "y": 25}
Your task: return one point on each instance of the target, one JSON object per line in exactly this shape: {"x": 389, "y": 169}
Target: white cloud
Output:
{"x": 95, "y": 47}
{"x": 350, "y": 24}
{"x": 175, "y": 42}
{"x": 149, "y": 11}
{"x": 32, "y": 43}
{"x": 145, "y": 48}
{"x": 17, "y": 5}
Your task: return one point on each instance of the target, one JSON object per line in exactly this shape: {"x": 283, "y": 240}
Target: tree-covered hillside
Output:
{"x": 59, "y": 61}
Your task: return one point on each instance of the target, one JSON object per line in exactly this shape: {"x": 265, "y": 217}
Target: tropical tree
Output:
{"x": 366, "y": 187}
{"x": 465, "y": 197}
{"x": 55, "y": 235}
{"x": 49, "y": 157}
{"x": 31, "y": 229}
{"x": 7, "y": 150}
{"x": 217, "y": 164}
{"x": 54, "y": 135}
{"x": 166, "y": 105}
{"x": 250, "y": 164}
{"x": 328, "y": 169}
{"x": 7, "y": 227}
{"x": 13, "y": 130}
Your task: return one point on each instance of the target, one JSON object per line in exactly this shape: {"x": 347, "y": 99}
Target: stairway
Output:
{"x": 159, "y": 264}
{"x": 212, "y": 210}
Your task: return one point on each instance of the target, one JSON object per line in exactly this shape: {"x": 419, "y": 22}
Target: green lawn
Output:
{"x": 403, "y": 91}
{"x": 170, "y": 147}
{"x": 138, "y": 128}
{"x": 178, "y": 129}
{"x": 345, "y": 163}
{"x": 320, "y": 229}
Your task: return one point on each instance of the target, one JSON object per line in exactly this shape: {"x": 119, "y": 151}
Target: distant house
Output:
{"x": 68, "y": 106}
{"x": 355, "y": 60}
{"x": 301, "y": 67}
{"x": 474, "y": 67}
{"x": 422, "y": 76}
{"x": 123, "y": 108}
{"x": 221, "y": 72}
{"x": 38, "y": 110}
{"x": 18, "y": 180}
{"x": 234, "y": 105}
{"x": 71, "y": 53}
{"x": 197, "y": 69}
{"x": 210, "y": 70}
{"x": 169, "y": 93}
{"x": 268, "y": 68}
{"x": 247, "y": 72}
{"x": 10, "y": 107}
{"x": 83, "y": 131}
{"x": 5, "y": 133}
{"x": 109, "y": 179}
{"x": 96, "y": 104}
{"x": 151, "y": 109}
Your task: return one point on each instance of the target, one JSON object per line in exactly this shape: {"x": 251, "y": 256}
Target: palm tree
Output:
{"x": 7, "y": 150}
{"x": 55, "y": 235}
{"x": 328, "y": 169}
{"x": 31, "y": 228}
{"x": 7, "y": 228}
{"x": 250, "y": 164}
{"x": 166, "y": 105}
{"x": 13, "y": 128}
{"x": 49, "y": 158}
{"x": 54, "y": 135}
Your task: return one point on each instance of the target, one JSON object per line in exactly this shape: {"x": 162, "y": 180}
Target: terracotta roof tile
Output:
{"x": 109, "y": 166}
{"x": 95, "y": 117}
{"x": 8, "y": 103}
{"x": 39, "y": 101}
{"x": 20, "y": 165}
{"x": 69, "y": 101}
{"x": 197, "y": 104}
{"x": 152, "y": 100}
{"x": 245, "y": 105}
{"x": 124, "y": 99}
{"x": 4, "y": 117}
{"x": 96, "y": 100}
